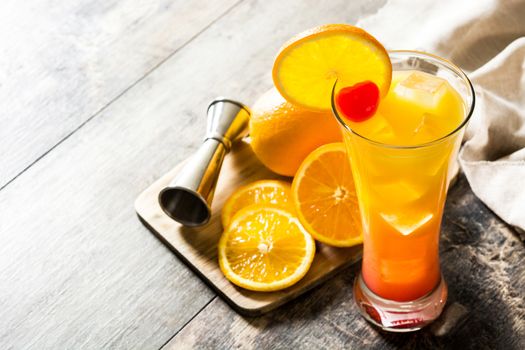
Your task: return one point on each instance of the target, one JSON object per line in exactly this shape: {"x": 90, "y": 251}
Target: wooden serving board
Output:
{"x": 197, "y": 247}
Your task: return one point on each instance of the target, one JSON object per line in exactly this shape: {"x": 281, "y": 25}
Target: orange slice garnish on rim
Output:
{"x": 307, "y": 66}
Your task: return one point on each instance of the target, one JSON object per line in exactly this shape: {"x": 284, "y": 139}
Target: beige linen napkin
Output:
{"x": 487, "y": 39}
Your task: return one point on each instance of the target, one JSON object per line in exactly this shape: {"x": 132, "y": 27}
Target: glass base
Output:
{"x": 395, "y": 316}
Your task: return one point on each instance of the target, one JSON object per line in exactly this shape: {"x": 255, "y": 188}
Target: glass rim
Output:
{"x": 421, "y": 54}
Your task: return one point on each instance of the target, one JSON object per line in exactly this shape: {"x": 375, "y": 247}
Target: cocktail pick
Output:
{"x": 187, "y": 199}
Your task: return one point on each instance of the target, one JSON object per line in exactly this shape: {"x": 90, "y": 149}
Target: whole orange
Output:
{"x": 282, "y": 135}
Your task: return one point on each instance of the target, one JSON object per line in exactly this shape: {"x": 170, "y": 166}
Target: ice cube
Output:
{"x": 426, "y": 122}
{"x": 423, "y": 88}
{"x": 376, "y": 128}
{"x": 399, "y": 192}
{"x": 406, "y": 224}
{"x": 428, "y": 129}
{"x": 436, "y": 166}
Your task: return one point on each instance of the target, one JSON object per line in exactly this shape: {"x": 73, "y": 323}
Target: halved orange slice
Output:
{"x": 265, "y": 249}
{"x": 325, "y": 199}
{"x": 308, "y": 65}
{"x": 273, "y": 193}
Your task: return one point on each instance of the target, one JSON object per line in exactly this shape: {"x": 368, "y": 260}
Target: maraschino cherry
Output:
{"x": 358, "y": 102}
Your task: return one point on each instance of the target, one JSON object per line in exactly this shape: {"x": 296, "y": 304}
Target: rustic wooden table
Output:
{"x": 100, "y": 98}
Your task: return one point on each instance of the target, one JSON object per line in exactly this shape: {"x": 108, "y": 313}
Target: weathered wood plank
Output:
{"x": 62, "y": 61}
{"x": 482, "y": 262}
{"x": 77, "y": 268}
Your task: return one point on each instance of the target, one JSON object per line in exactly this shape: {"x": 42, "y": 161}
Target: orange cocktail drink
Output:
{"x": 402, "y": 115}
{"x": 402, "y": 159}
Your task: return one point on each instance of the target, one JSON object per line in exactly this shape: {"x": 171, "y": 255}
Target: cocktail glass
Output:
{"x": 401, "y": 192}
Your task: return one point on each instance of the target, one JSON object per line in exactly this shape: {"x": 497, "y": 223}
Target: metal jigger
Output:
{"x": 187, "y": 199}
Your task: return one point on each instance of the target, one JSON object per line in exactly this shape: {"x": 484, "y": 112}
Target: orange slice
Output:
{"x": 308, "y": 65}
{"x": 265, "y": 249}
{"x": 268, "y": 192}
{"x": 325, "y": 199}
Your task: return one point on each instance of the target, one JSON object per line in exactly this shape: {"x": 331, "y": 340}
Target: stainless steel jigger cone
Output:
{"x": 187, "y": 199}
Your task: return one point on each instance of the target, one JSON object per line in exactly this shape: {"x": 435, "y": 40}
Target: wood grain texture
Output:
{"x": 62, "y": 61}
{"x": 198, "y": 246}
{"x": 482, "y": 261}
{"x": 77, "y": 268}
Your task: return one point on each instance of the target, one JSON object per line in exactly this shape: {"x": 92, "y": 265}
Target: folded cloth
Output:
{"x": 487, "y": 39}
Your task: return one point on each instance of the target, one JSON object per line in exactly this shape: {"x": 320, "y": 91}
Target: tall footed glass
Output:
{"x": 401, "y": 189}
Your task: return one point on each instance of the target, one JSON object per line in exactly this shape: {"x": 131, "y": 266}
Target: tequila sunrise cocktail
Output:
{"x": 402, "y": 159}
